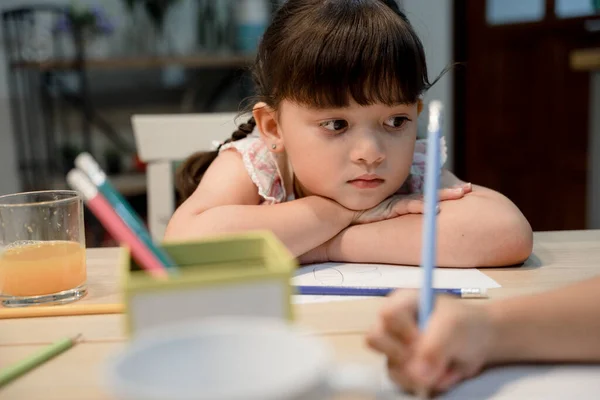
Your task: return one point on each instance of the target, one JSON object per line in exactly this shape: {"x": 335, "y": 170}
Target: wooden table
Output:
{"x": 559, "y": 258}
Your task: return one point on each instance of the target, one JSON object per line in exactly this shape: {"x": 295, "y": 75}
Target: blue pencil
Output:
{"x": 86, "y": 163}
{"x": 381, "y": 291}
{"x": 432, "y": 178}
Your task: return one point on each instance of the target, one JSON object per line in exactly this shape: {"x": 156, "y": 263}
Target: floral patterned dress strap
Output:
{"x": 261, "y": 168}
{"x": 415, "y": 182}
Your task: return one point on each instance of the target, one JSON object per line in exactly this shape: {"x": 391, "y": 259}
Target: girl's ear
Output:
{"x": 419, "y": 106}
{"x": 268, "y": 127}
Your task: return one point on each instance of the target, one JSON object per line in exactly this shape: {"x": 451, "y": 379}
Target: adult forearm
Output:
{"x": 561, "y": 325}
{"x": 301, "y": 224}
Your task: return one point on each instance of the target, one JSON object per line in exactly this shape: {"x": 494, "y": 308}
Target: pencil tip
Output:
{"x": 77, "y": 338}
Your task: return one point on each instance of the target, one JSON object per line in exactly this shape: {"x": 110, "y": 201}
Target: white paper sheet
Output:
{"x": 547, "y": 382}
{"x": 381, "y": 275}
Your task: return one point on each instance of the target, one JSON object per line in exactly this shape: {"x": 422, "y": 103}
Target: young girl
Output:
{"x": 330, "y": 162}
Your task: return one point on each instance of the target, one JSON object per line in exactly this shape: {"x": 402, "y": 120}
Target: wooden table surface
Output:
{"x": 559, "y": 258}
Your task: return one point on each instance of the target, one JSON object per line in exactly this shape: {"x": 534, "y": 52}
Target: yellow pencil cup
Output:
{"x": 232, "y": 275}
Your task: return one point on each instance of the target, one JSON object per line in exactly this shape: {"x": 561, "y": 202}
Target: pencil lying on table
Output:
{"x": 12, "y": 372}
{"x": 369, "y": 291}
{"x": 60, "y": 311}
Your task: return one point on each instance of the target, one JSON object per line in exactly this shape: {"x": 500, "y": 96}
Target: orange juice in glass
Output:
{"x": 42, "y": 248}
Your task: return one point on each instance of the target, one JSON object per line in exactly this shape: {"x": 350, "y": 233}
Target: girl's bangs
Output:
{"x": 352, "y": 56}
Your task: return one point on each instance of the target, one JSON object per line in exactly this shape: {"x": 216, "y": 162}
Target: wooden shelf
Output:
{"x": 585, "y": 59}
{"x": 198, "y": 61}
{"x": 128, "y": 184}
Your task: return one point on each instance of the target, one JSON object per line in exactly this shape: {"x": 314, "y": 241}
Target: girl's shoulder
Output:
{"x": 261, "y": 167}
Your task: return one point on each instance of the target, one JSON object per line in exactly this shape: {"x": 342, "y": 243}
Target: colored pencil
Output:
{"x": 86, "y": 163}
{"x": 59, "y": 311}
{"x": 12, "y": 372}
{"x": 115, "y": 225}
{"x": 381, "y": 291}
{"x": 429, "y": 234}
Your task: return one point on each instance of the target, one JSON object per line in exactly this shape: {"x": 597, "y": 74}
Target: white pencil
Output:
{"x": 432, "y": 178}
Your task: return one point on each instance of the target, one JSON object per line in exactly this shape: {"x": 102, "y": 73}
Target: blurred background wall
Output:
{"x": 522, "y": 108}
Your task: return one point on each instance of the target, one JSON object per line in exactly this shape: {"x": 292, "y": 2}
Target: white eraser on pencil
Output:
{"x": 435, "y": 114}
{"x": 88, "y": 164}
{"x": 80, "y": 182}
{"x": 473, "y": 293}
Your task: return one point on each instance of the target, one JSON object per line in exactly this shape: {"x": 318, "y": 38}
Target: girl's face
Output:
{"x": 357, "y": 156}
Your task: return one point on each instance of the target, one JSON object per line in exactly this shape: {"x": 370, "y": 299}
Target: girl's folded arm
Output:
{"x": 227, "y": 201}
{"x": 484, "y": 229}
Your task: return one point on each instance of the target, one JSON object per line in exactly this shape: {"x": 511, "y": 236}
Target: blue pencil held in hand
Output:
{"x": 432, "y": 183}
{"x": 86, "y": 163}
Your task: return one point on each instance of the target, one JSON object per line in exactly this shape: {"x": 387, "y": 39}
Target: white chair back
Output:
{"x": 162, "y": 140}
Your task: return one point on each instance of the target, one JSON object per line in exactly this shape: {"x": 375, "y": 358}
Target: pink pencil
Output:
{"x": 111, "y": 221}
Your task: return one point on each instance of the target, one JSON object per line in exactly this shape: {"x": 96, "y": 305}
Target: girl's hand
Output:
{"x": 398, "y": 205}
{"x": 457, "y": 343}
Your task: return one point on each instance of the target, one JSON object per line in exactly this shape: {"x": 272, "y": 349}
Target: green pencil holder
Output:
{"x": 232, "y": 275}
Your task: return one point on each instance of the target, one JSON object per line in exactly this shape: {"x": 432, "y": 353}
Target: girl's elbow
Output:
{"x": 524, "y": 246}
{"x": 506, "y": 241}
{"x": 174, "y": 229}
{"x": 193, "y": 224}
{"x": 511, "y": 242}
{"x": 180, "y": 226}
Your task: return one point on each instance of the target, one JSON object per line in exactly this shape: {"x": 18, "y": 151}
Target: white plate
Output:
{"x": 221, "y": 359}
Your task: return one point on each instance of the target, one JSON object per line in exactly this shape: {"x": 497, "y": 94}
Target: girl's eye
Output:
{"x": 396, "y": 122}
{"x": 335, "y": 125}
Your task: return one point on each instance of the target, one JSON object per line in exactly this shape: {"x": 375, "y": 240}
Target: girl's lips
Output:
{"x": 366, "y": 183}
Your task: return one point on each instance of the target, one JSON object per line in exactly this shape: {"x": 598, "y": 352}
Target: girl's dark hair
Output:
{"x": 190, "y": 173}
{"x": 325, "y": 53}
